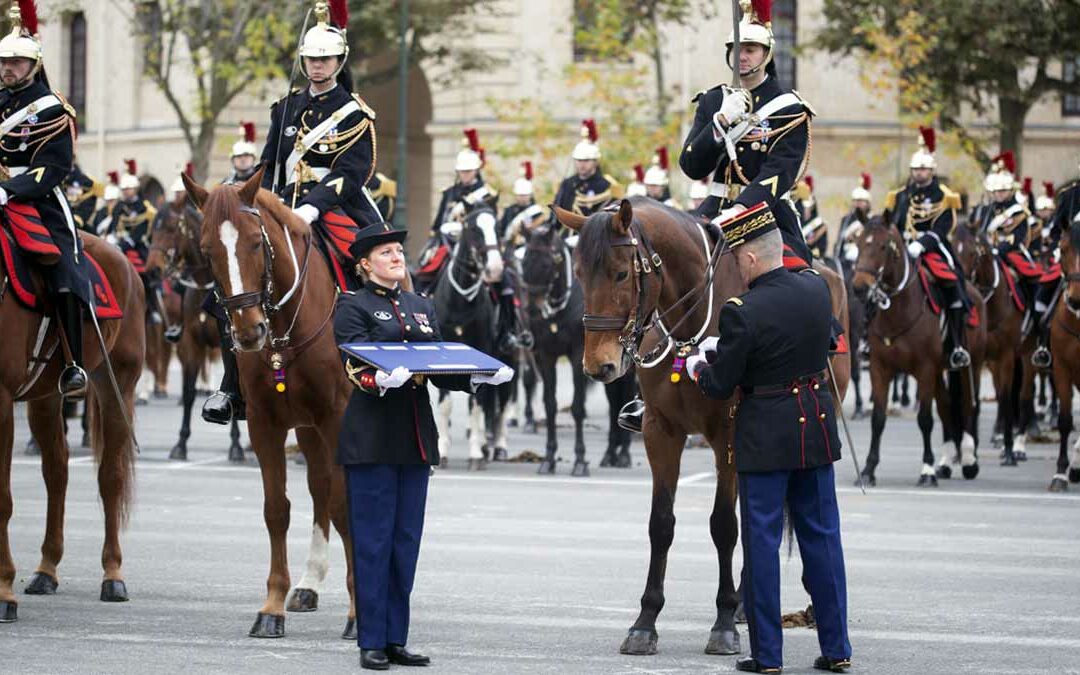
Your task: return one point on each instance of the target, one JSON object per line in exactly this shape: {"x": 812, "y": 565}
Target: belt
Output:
{"x": 17, "y": 170}
{"x": 311, "y": 174}
{"x": 814, "y": 380}
{"x": 725, "y": 191}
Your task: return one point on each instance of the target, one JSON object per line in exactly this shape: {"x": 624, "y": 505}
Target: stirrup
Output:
{"x": 631, "y": 414}
{"x": 222, "y": 408}
{"x": 73, "y": 381}
{"x": 173, "y": 333}
{"x": 1041, "y": 358}
{"x": 959, "y": 359}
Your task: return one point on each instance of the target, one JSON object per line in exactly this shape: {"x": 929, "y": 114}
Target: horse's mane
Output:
{"x": 224, "y": 203}
{"x": 594, "y": 241}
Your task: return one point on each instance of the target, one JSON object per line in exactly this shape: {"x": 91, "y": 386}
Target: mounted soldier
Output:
{"x": 924, "y": 211}
{"x": 524, "y": 209}
{"x": 589, "y": 188}
{"x": 37, "y": 132}
{"x": 243, "y": 155}
{"x": 636, "y": 187}
{"x": 814, "y": 229}
{"x": 752, "y": 140}
{"x": 82, "y": 193}
{"x": 851, "y": 225}
{"x": 320, "y": 153}
{"x": 1044, "y": 213}
{"x": 657, "y": 181}
{"x": 101, "y": 223}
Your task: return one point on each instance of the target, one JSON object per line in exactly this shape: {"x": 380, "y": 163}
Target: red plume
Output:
{"x": 762, "y": 10}
{"x": 526, "y": 170}
{"x": 1048, "y": 187}
{"x": 29, "y": 16}
{"x": 114, "y": 177}
{"x": 1027, "y": 185}
{"x": 339, "y": 13}
{"x": 189, "y": 169}
{"x": 929, "y": 138}
{"x": 483, "y": 156}
{"x": 662, "y": 158}
{"x": 639, "y": 173}
{"x": 809, "y": 181}
{"x": 249, "y": 131}
{"x": 1008, "y": 160}
{"x": 473, "y": 139}
{"x": 132, "y": 168}
{"x": 865, "y": 181}
{"x": 590, "y": 129}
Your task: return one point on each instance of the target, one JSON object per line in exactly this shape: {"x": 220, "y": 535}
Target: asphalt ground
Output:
{"x": 521, "y": 573}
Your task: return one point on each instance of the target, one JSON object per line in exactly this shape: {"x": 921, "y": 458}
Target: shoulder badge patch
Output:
{"x": 383, "y": 315}
{"x": 737, "y": 301}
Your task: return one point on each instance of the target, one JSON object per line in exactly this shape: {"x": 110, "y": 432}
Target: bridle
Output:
{"x": 982, "y": 251}
{"x": 470, "y": 289}
{"x": 553, "y": 303}
{"x": 879, "y": 293}
{"x": 175, "y": 264}
{"x": 633, "y": 327}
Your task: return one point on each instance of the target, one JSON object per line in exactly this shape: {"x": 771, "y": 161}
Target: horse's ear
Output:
{"x": 622, "y": 219}
{"x": 251, "y": 187}
{"x": 572, "y": 220}
{"x": 196, "y": 192}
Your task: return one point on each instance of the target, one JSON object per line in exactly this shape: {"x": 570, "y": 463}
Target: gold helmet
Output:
{"x": 327, "y": 37}
{"x": 1002, "y": 174}
{"x": 755, "y": 28}
{"x": 22, "y": 41}
{"x": 924, "y": 156}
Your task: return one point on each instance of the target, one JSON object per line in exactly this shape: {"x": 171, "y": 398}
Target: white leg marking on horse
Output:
{"x": 927, "y": 470}
{"x": 1076, "y": 454}
{"x": 946, "y": 454}
{"x": 1020, "y": 443}
{"x": 967, "y": 450}
{"x": 318, "y": 562}
{"x": 500, "y": 428}
{"x": 476, "y": 431}
{"x": 494, "y": 267}
{"x": 446, "y": 406}
{"x": 230, "y": 237}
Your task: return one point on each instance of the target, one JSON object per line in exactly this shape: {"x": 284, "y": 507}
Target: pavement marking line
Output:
{"x": 190, "y": 464}
{"x": 694, "y": 478}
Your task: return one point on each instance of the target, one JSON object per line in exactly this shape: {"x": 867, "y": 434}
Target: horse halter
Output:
{"x": 239, "y": 301}
{"x": 552, "y": 304}
{"x": 879, "y": 294}
{"x": 468, "y": 293}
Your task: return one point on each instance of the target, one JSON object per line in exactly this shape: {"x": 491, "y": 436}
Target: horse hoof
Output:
{"x": 943, "y": 471}
{"x": 9, "y": 612}
{"x": 740, "y": 613}
{"x": 350, "y": 630}
{"x": 300, "y": 459}
{"x": 624, "y": 461}
{"x": 41, "y": 584}
{"x": 114, "y": 590}
{"x": 477, "y": 464}
{"x": 530, "y": 426}
{"x": 85, "y": 441}
{"x": 1058, "y": 484}
{"x": 1009, "y": 459}
{"x": 927, "y": 480}
{"x": 303, "y": 600}
{"x": 723, "y": 642}
{"x": 268, "y": 626}
{"x": 868, "y": 480}
{"x": 547, "y": 466}
{"x": 236, "y": 455}
{"x": 1074, "y": 475}
{"x": 32, "y": 448}
{"x": 1021, "y": 455}
{"x": 444, "y": 462}
{"x": 179, "y": 452}
{"x": 608, "y": 460}
{"x": 581, "y": 469}
{"x": 500, "y": 455}
{"x": 639, "y": 643}
{"x": 970, "y": 471}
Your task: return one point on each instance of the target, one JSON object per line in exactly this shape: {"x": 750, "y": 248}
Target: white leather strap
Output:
{"x": 19, "y": 116}
{"x": 315, "y": 135}
{"x": 736, "y": 133}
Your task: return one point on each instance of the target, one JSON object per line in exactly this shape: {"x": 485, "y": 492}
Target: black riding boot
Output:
{"x": 1044, "y": 297}
{"x": 959, "y": 358}
{"x": 506, "y": 330}
{"x": 226, "y": 403}
{"x": 73, "y": 379}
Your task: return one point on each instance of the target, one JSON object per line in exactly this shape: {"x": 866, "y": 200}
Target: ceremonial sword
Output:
{"x": 112, "y": 376}
{"x": 843, "y": 422}
{"x": 736, "y": 69}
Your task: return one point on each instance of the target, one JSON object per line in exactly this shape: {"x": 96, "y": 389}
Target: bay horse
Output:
{"x": 164, "y": 310}
{"x": 279, "y": 294}
{"x": 904, "y": 336}
{"x": 175, "y": 256}
{"x": 636, "y": 265}
{"x": 31, "y": 358}
{"x": 466, "y": 310}
{"x": 1065, "y": 345}
{"x": 554, "y": 305}
{"x": 1005, "y": 343}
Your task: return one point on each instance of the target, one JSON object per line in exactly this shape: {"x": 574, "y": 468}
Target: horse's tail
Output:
{"x": 114, "y": 451}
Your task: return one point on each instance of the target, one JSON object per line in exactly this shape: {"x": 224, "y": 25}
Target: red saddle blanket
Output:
{"x": 932, "y": 267}
{"x": 337, "y": 232}
{"x": 1014, "y": 292}
{"x": 16, "y": 251}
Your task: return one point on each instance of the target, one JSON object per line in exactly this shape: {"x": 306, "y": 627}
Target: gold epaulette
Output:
{"x": 806, "y": 104}
{"x": 151, "y": 212}
{"x": 387, "y": 187}
{"x": 890, "y": 199}
{"x": 97, "y": 188}
{"x": 364, "y": 107}
{"x": 616, "y": 188}
{"x": 802, "y": 190}
{"x": 810, "y": 270}
{"x": 68, "y": 108}
{"x": 735, "y": 300}
{"x": 952, "y": 199}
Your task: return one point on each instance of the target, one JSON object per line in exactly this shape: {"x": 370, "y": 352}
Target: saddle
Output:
{"x": 336, "y": 233}
{"x": 32, "y": 246}
{"x": 933, "y": 271}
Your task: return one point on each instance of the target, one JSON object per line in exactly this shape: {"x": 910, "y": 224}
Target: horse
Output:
{"x": 279, "y": 294}
{"x": 1065, "y": 345}
{"x": 30, "y": 363}
{"x": 652, "y": 279}
{"x": 164, "y": 310}
{"x": 554, "y": 304}
{"x": 466, "y": 311}
{"x": 904, "y": 338}
{"x": 175, "y": 255}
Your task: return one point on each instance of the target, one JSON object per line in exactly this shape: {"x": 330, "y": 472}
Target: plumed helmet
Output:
{"x": 471, "y": 157}
{"x": 588, "y": 147}
{"x": 130, "y": 179}
{"x": 1001, "y": 175}
{"x": 862, "y": 190}
{"x": 1046, "y": 199}
{"x": 755, "y": 28}
{"x": 523, "y": 186}
{"x": 327, "y": 36}
{"x": 657, "y": 175}
{"x": 924, "y": 156}
{"x": 22, "y": 41}
{"x": 246, "y": 144}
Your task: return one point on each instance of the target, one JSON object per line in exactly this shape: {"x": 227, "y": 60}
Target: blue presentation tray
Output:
{"x": 424, "y": 358}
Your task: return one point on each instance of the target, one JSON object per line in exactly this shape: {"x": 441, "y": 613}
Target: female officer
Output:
{"x": 388, "y": 443}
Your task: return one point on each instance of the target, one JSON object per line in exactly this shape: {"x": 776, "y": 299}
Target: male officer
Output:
{"x": 589, "y": 188}
{"x": 82, "y": 193}
{"x": 845, "y": 252}
{"x": 657, "y": 181}
{"x": 243, "y": 155}
{"x": 773, "y": 345}
{"x": 814, "y": 229}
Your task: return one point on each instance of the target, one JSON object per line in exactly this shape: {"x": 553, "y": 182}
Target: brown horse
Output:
{"x": 279, "y": 294}
{"x": 645, "y": 268}
{"x": 175, "y": 255}
{"x": 24, "y": 379}
{"x": 1065, "y": 345}
{"x": 1004, "y": 321}
{"x": 904, "y": 337}
{"x": 165, "y": 310}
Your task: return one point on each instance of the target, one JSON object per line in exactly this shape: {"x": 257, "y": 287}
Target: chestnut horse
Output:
{"x": 175, "y": 255}
{"x": 24, "y": 379}
{"x": 645, "y": 268}
{"x": 1065, "y": 345}
{"x": 904, "y": 337}
{"x": 279, "y": 294}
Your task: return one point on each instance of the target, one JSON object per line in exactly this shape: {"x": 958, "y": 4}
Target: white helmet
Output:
{"x": 699, "y": 189}
{"x": 523, "y": 186}
{"x": 22, "y": 41}
{"x": 755, "y": 28}
{"x": 587, "y": 148}
{"x": 130, "y": 179}
{"x": 471, "y": 157}
{"x": 1046, "y": 200}
{"x": 924, "y": 156}
{"x": 657, "y": 175}
{"x": 862, "y": 191}
{"x": 246, "y": 144}
{"x": 324, "y": 39}
{"x": 1002, "y": 173}
{"x": 636, "y": 189}
{"x": 112, "y": 192}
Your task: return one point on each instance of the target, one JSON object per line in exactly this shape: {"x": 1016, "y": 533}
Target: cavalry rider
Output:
{"x": 243, "y": 155}
{"x": 657, "y": 179}
{"x": 851, "y": 225}
{"x": 101, "y": 223}
{"x": 320, "y": 153}
{"x": 1044, "y": 214}
{"x": 924, "y": 211}
{"x": 518, "y": 214}
{"x": 37, "y": 129}
{"x": 636, "y": 187}
{"x": 82, "y": 192}
{"x": 814, "y": 229}
{"x": 589, "y": 188}
{"x": 753, "y": 141}
{"x": 384, "y": 193}
{"x": 774, "y": 347}
{"x": 131, "y": 220}
{"x": 1067, "y": 211}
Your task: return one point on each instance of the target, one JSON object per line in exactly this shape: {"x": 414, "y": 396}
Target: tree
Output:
{"x": 962, "y": 55}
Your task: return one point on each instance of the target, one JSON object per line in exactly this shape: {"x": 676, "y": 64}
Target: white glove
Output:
{"x": 392, "y": 380}
{"x": 728, "y": 214}
{"x": 696, "y": 361}
{"x": 708, "y": 345}
{"x": 501, "y": 376}
{"x": 3, "y": 196}
{"x": 733, "y": 108}
{"x": 915, "y": 249}
{"x": 851, "y": 253}
{"x": 111, "y": 238}
{"x": 307, "y": 213}
{"x": 572, "y": 241}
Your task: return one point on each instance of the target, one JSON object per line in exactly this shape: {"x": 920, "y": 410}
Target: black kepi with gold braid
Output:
{"x": 748, "y": 225}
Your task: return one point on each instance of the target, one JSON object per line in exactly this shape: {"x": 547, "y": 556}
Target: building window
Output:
{"x": 784, "y": 27}
{"x": 1070, "y": 103}
{"x": 587, "y": 24}
{"x": 149, "y": 19}
{"x": 77, "y": 64}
